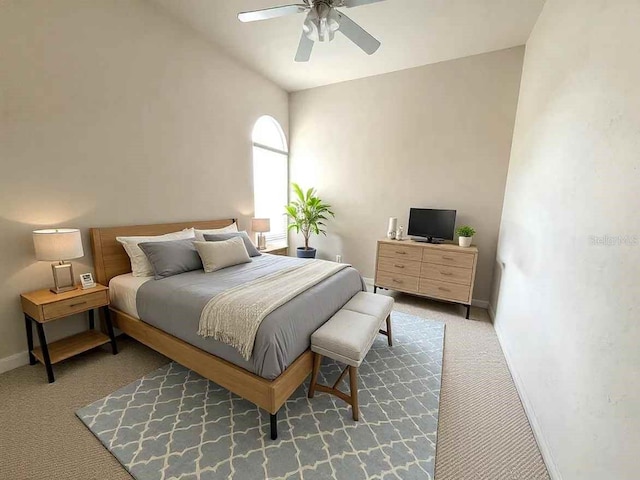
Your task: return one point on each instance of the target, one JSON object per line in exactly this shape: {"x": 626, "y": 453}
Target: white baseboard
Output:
{"x": 554, "y": 473}
{"x": 492, "y": 312}
{"x": 14, "y": 361}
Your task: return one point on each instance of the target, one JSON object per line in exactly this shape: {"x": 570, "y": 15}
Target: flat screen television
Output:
{"x": 429, "y": 225}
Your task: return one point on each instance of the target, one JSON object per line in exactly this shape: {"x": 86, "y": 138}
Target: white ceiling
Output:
{"x": 412, "y": 32}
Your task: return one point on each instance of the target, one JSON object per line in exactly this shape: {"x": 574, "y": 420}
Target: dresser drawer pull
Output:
{"x": 449, "y": 258}
{"x": 77, "y": 304}
{"x": 401, "y": 253}
{"x": 448, "y": 274}
{"x": 397, "y": 281}
{"x": 399, "y": 266}
{"x": 444, "y": 289}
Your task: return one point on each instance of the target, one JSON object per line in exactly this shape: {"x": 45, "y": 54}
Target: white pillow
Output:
{"x": 228, "y": 229}
{"x": 140, "y": 266}
{"x": 218, "y": 255}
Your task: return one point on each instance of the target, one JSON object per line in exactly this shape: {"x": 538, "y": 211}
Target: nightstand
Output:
{"x": 43, "y": 306}
{"x": 276, "y": 250}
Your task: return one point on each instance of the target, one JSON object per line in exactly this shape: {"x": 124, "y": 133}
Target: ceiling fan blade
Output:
{"x": 357, "y": 34}
{"x": 357, "y": 3}
{"x": 274, "y": 12}
{"x": 304, "y": 49}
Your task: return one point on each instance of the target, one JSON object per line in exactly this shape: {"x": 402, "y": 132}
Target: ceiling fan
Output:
{"x": 321, "y": 24}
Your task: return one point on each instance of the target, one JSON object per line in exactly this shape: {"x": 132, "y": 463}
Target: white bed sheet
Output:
{"x": 123, "y": 291}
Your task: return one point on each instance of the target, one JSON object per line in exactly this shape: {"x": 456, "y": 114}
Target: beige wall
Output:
{"x": 436, "y": 136}
{"x": 113, "y": 113}
{"x": 567, "y": 313}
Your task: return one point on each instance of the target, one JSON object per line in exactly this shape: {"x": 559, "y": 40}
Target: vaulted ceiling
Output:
{"x": 412, "y": 32}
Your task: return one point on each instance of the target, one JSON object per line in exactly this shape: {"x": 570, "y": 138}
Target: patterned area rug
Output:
{"x": 173, "y": 424}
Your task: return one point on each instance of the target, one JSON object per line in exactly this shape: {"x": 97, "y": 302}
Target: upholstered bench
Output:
{"x": 347, "y": 338}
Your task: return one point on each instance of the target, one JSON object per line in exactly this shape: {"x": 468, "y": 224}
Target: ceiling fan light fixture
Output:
{"x": 321, "y": 28}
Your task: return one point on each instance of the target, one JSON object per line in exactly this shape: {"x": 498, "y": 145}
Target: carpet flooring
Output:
{"x": 483, "y": 432}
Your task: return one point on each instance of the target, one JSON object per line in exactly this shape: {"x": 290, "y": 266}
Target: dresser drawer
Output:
{"x": 444, "y": 290}
{"x": 401, "y": 252}
{"x": 403, "y": 283}
{"x": 452, "y": 259}
{"x": 75, "y": 305}
{"x": 400, "y": 266}
{"x": 432, "y": 271}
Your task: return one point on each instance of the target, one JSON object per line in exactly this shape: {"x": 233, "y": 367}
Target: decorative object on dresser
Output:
{"x": 439, "y": 271}
{"x": 59, "y": 245}
{"x": 261, "y": 226}
{"x": 465, "y": 235}
{"x": 391, "y": 229}
{"x": 282, "y": 250}
{"x": 43, "y": 306}
{"x": 308, "y": 214}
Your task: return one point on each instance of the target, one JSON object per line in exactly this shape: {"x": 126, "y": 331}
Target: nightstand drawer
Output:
{"x": 70, "y": 306}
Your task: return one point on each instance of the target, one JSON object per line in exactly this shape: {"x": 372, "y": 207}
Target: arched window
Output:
{"x": 270, "y": 176}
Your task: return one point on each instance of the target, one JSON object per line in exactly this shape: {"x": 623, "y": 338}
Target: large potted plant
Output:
{"x": 307, "y": 213}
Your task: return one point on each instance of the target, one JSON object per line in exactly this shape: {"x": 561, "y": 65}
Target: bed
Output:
{"x": 145, "y": 309}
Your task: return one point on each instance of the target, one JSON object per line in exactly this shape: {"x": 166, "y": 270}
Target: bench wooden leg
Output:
{"x": 353, "y": 386}
{"x": 317, "y": 360}
{"x": 387, "y": 333}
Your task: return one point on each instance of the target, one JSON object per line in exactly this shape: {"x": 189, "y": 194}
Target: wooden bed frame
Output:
{"x": 110, "y": 260}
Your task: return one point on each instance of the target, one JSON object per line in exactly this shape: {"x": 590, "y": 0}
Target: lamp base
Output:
{"x": 62, "y": 277}
{"x": 262, "y": 241}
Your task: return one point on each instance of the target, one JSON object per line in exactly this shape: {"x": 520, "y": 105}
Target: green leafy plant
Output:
{"x": 465, "y": 231}
{"x": 307, "y": 213}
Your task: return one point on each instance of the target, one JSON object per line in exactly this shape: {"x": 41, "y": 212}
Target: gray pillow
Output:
{"x": 221, "y": 237}
{"x": 172, "y": 257}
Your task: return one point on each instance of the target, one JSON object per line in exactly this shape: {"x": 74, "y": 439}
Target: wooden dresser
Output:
{"x": 440, "y": 271}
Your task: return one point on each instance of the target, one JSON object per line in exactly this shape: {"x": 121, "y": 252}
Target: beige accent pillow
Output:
{"x": 228, "y": 229}
{"x": 140, "y": 266}
{"x": 219, "y": 255}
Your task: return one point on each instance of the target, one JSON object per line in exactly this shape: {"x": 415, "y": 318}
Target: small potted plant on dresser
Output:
{"x": 465, "y": 235}
{"x": 308, "y": 214}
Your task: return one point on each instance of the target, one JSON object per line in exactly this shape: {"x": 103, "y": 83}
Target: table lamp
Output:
{"x": 59, "y": 245}
{"x": 261, "y": 225}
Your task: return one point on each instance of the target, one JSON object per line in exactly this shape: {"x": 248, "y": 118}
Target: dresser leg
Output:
{"x": 375, "y": 289}
{"x": 112, "y": 335}
{"x": 45, "y": 351}
{"x": 29, "y": 327}
{"x": 468, "y": 310}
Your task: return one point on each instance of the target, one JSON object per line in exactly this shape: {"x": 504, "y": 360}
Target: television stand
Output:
{"x": 433, "y": 240}
{"x": 442, "y": 272}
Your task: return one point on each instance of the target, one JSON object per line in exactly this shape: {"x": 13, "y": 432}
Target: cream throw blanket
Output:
{"x": 233, "y": 316}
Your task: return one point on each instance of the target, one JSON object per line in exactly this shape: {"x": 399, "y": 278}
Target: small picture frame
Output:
{"x": 87, "y": 281}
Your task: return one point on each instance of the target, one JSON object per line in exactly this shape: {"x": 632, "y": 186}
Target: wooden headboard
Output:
{"x": 109, "y": 257}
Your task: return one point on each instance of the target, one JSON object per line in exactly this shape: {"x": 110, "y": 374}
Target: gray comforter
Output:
{"x": 174, "y": 305}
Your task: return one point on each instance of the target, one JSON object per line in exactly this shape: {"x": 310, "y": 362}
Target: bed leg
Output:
{"x": 274, "y": 426}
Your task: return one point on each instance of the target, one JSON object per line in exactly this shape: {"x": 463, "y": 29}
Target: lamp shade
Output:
{"x": 260, "y": 225}
{"x": 58, "y": 244}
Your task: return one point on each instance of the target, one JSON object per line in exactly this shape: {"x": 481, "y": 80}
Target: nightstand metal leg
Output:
{"x": 45, "y": 351}
{"x": 92, "y": 322}
{"x": 27, "y": 324}
{"x": 375, "y": 289}
{"x": 109, "y": 325}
